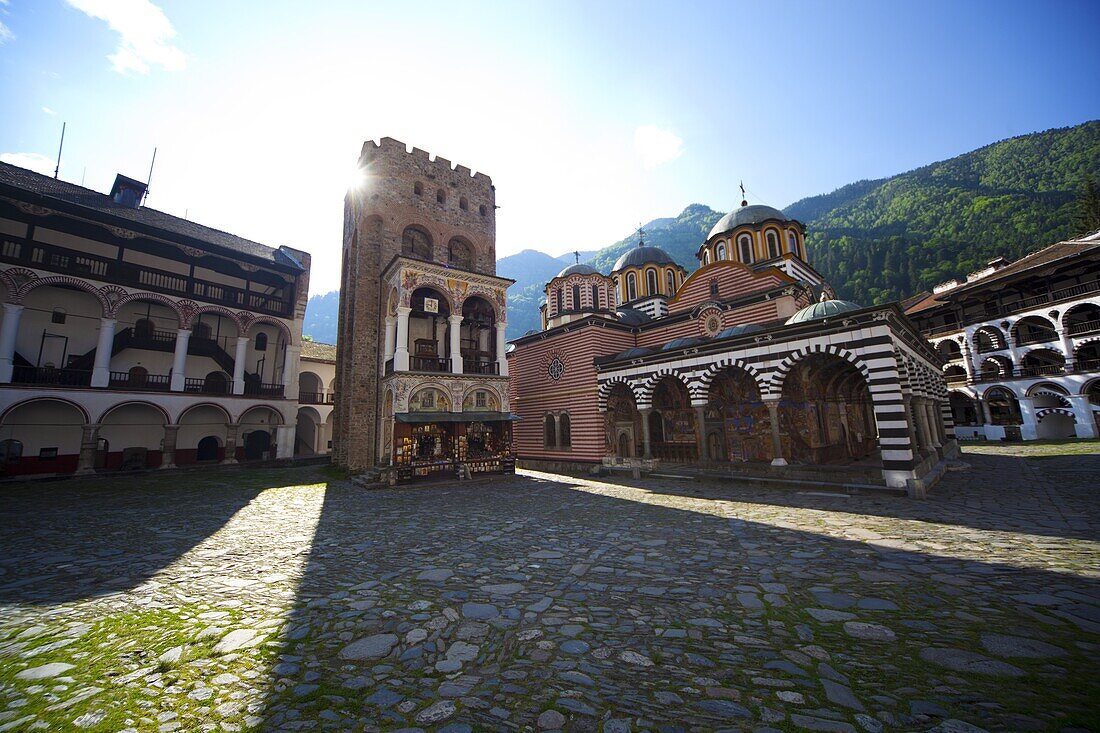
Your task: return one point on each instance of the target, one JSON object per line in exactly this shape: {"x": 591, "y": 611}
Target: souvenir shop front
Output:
{"x": 437, "y": 446}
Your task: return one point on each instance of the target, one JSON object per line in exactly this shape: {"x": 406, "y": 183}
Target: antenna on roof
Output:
{"x": 577, "y": 256}
{"x": 150, "y": 178}
{"x": 59, "y": 149}
{"x": 82, "y": 174}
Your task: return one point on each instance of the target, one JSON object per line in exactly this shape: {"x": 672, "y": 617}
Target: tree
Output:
{"x": 1086, "y": 218}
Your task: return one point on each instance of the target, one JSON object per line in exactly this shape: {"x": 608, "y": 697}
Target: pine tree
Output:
{"x": 1086, "y": 219}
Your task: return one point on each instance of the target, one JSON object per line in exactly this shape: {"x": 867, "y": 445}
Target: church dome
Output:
{"x": 644, "y": 255}
{"x": 578, "y": 269}
{"x": 754, "y": 214}
{"x": 824, "y": 309}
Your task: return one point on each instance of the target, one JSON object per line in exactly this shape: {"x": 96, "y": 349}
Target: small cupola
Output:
{"x": 127, "y": 192}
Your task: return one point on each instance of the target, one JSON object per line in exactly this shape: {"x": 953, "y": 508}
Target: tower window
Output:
{"x": 558, "y": 295}
{"x": 706, "y": 257}
{"x": 720, "y": 252}
{"x": 417, "y": 243}
{"x": 714, "y": 287}
{"x": 440, "y": 197}
{"x": 595, "y": 296}
{"x": 792, "y": 242}
{"x": 744, "y": 248}
{"x": 576, "y": 297}
{"x": 463, "y": 203}
{"x": 651, "y": 282}
{"x": 773, "y": 244}
{"x": 670, "y": 281}
{"x": 631, "y": 286}
{"x": 481, "y": 210}
{"x": 418, "y": 188}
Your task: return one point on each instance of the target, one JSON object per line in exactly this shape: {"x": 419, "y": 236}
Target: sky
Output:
{"x": 591, "y": 117}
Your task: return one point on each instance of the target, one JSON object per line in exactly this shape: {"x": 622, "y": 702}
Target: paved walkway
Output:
{"x": 268, "y": 599}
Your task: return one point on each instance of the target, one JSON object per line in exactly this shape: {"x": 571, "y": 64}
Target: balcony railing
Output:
{"x": 983, "y": 348}
{"x": 80, "y": 264}
{"x": 1041, "y": 370}
{"x": 51, "y": 376}
{"x": 206, "y": 386}
{"x": 1036, "y": 337}
{"x": 263, "y": 390}
{"x": 429, "y": 364}
{"x": 153, "y": 382}
{"x": 470, "y": 366}
{"x": 1024, "y": 304}
{"x": 311, "y": 398}
{"x": 1078, "y": 329}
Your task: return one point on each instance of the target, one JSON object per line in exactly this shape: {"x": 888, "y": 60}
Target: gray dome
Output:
{"x": 739, "y": 330}
{"x": 644, "y": 255}
{"x": 754, "y": 214}
{"x": 578, "y": 269}
{"x": 632, "y": 317}
{"x": 824, "y": 309}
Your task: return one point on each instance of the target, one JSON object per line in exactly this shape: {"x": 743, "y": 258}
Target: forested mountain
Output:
{"x": 875, "y": 241}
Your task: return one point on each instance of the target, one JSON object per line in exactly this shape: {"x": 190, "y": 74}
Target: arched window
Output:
{"x": 564, "y": 439}
{"x": 440, "y": 197}
{"x": 744, "y": 248}
{"x": 559, "y": 299}
{"x": 670, "y": 281}
{"x": 549, "y": 432}
{"x": 792, "y": 242}
{"x": 714, "y": 287}
{"x": 773, "y": 244}
{"x": 418, "y": 188}
{"x": 720, "y": 252}
{"x": 595, "y": 296}
{"x": 463, "y": 203}
{"x": 631, "y": 286}
{"x": 481, "y": 210}
{"x": 261, "y": 341}
{"x": 460, "y": 254}
{"x": 415, "y": 242}
{"x": 706, "y": 257}
{"x": 651, "y": 282}
{"x": 576, "y": 297}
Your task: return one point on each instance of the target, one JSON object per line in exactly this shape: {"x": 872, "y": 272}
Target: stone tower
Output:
{"x": 415, "y": 222}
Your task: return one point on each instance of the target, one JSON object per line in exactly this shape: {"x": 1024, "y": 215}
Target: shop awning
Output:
{"x": 426, "y": 417}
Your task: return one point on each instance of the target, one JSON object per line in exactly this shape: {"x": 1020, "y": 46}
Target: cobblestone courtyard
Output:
{"x": 283, "y": 600}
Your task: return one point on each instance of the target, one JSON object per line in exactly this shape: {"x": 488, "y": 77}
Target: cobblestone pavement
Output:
{"x": 281, "y": 600}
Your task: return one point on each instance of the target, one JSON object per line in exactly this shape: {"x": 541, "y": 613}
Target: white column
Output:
{"x": 391, "y": 339}
{"x": 933, "y": 424}
{"x": 9, "y": 329}
{"x": 1029, "y": 430}
{"x": 777, "y": 441}
{"x": 1067, "y": 345}
{"x": 284, "y": 441}
{"x": 401, "y": 350}
{"x": 968, "y": 361}
{"x": 456, "y": 343}
{"x": 168, "y": 448}
{"x": 238, "y": 364}
{"x": 502, "y": 360}
{"x": 179, "y": 359}
{"x": 290, "y": 376}
{"x": 1082, "y": 416}
{"x": 101, "y": 372}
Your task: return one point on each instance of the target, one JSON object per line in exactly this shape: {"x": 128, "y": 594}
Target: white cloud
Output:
{"x": 655, "y": 146}
{"x": 49, "y": 111}
{"x": 33, "y": 161}
{"x": 145, "y": 34}
{"x": 5, "y": 34}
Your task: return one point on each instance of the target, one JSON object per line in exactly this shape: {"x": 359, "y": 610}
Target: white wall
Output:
{"x": 44, "y": 424}
{"x": 81, "y": 327}
{"x": 133, "y": 426}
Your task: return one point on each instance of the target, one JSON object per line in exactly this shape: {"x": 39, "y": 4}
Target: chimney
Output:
{"x": 127, "y": 192}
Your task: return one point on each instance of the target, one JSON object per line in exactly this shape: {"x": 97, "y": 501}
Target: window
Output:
{"x": 576, "y": 297}
{"x": 631, "y": 286}
{"x": 714, "y": 287}
{"x": 261, "y": 341}
{"x": 463, "y": 203}
{"x": 595, "y": 296}
{"x": 744, "y": 248}
{"x": 415, "y": 242}
{"x": 560, "y": 299}
{"x": 11, "y": 450}
{"x": 418, "y": 188}
{"x": 773, "y": 244}
{"x": 651, "y": 282}
{"x": 564, "y": 439}
{"x": 720, "y": 252}
{"x": 481, "y": 210}
{"x": 427, "y": 400}
{"x": 670, "y": 281}
{"x": 706, "y": 257}
{"x": 460, "y": 254}
{"x": 549, "y": 432}
{"x": 440, "y": 197}
{"x": 58, "y": 316}
{"x": 480, "y": 399}
{"x": 792, "y": 242}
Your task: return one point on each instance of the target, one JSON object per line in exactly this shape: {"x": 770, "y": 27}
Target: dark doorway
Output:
{"x": 208, "y": 449}
{"x": 256, "y": 444}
